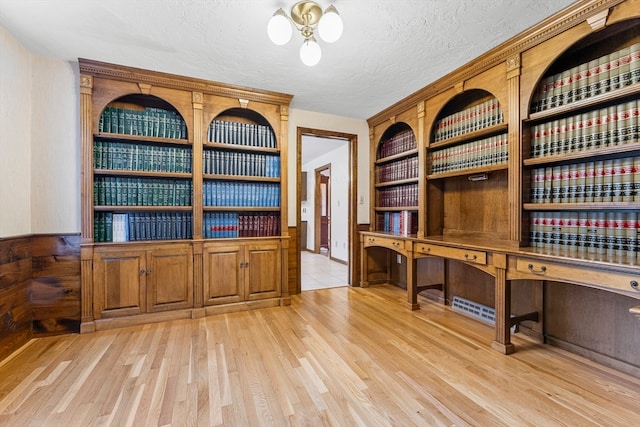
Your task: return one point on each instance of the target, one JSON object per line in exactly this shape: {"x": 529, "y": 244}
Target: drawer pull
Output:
{"x": 425, "y": 249}
{"x": 634, "y": 285}
{"x": 395, "y": 243}
{"x": 542, "y": 270}
{"x": 468, "y": 258}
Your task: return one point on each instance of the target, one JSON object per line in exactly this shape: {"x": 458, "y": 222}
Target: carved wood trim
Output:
{"x": 123, "y": 73}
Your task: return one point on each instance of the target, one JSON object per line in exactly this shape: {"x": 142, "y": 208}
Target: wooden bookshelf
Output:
{"x": 474, "y": 235}
{"x": 148, "y": 141}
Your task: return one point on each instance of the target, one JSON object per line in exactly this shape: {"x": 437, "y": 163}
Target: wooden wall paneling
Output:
{"x": 470, "y": 283}
{"x": 431, "y": 271}
{"x": 293, "y": 266}
{"x": 527, "y": 296}
{"x": 594, "y": 323}
{"x": 55, "y": 285}
{"x": 476, "y": 208}
{"x": 15, "y": 309}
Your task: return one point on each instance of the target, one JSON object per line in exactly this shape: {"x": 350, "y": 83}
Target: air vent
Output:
{"x": 478, "y": 311}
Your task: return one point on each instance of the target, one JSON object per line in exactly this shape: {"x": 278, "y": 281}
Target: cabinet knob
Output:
{"x": 149, "y": 271}
{"x": 142, "y": 272}
{"x": 634, "y": 285}
{"x": 542, "y": 270}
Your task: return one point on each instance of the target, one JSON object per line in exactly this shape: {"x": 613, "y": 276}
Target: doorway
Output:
{"x": 322, "y": 210}
{"x": 326, "y": 204}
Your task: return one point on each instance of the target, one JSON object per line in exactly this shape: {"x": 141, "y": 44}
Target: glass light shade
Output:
{"x": 279, "y": 28}
{"x": 330, "y": 26}
{"x": 310, "y": 52}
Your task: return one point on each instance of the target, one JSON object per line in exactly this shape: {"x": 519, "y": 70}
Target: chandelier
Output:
{"x": 306, "y": 17}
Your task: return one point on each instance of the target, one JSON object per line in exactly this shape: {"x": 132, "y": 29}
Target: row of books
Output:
{"x": 148, "y": 122}
{"x": 399, "y": 143}
{"x": 600, "y": 75}
{"x": 614, "y": 234}
{"x": 126, "y": 227}
{"x": 615, "y": 180}
{"x": 480, "y": 116}
{"x": 241, "y": 194}
{"x": 403, "y": 223}
{"x": 483, "y": 152}
{"x": 140, "y": 157}
{"x": 232, "y": 224}
{"x": 122, "y": 191}
{"x": 237, "y": 133}
{"x": 402, "y": 195}
{"x": 614, "y": 125}
{"x": 405, "y": 168}
{"x": 220, "y": 162}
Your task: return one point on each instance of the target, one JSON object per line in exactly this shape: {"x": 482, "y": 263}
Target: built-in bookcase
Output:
{"x": 467, "y": 168}
{"x": 182, "y": 196}
{"x": 241, "y": 180}
{"x": 396, "y": 182}
{"x": 582, "y": 159}
{"x": 142, "y": 172}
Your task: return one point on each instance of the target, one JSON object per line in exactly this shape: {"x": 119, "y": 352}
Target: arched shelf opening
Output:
{"x": 242, "y": 127}
{"x": 143, "y": 116}
{"x": 604, "y": 62}
{"x": 396, "y": 181}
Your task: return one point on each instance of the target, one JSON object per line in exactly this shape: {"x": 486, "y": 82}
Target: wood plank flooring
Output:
{"x": 341, "y": 356}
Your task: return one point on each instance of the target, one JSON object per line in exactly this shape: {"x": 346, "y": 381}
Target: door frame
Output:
{"x": 354, "y": 243}
{"x": 317, "y": 211}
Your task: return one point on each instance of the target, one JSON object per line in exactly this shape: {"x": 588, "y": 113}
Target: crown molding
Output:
{"x": 155, "y": 78}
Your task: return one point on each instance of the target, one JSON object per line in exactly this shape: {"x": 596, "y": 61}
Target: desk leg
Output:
{"x": 412, "y": 279}
{"x": 502, "y": 342}
{"x": 364, "y": 265}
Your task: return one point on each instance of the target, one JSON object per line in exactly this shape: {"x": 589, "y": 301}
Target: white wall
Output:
{"x": 39, "y": 143}
{"x": 15, "y": 137}
{"x": 339, "y": 185}
{"x": 55, "y": 158}
{"x": 359, "y": 127}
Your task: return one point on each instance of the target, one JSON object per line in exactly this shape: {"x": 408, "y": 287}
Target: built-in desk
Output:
{"x": 507, "y": 263}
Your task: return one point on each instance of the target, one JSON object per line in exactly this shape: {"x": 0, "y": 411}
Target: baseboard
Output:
{"x": 602, "y": 359}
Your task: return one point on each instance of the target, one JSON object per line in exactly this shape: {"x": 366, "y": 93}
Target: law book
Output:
{"x": 120, "y": 227}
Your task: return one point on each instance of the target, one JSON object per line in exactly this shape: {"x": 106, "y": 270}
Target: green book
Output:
{"x": 121, "y": 121}
{"x": 108, "y": 227}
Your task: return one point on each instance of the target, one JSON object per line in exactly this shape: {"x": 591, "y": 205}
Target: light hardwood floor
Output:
{"x": 341, "y": 356}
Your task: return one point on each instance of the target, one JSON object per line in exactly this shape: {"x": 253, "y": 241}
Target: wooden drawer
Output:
{"x": 386, "y": 242}
{"x": 579, "y": 274}
{"x": 476, "y": 257}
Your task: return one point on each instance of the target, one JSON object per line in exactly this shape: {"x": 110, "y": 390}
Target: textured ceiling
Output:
{"x": 389, "y": 49}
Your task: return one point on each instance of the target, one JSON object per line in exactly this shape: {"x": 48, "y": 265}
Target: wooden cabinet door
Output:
{"x": 262, "y": 271}
{"x": 223, "y": 282}
{"x": 169, "y": 279}
{"x": 119, "y": 283}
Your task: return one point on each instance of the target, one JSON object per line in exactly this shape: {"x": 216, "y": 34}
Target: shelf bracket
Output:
{"x": 529, "y": 316}
{"x": 438, "y": 286}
